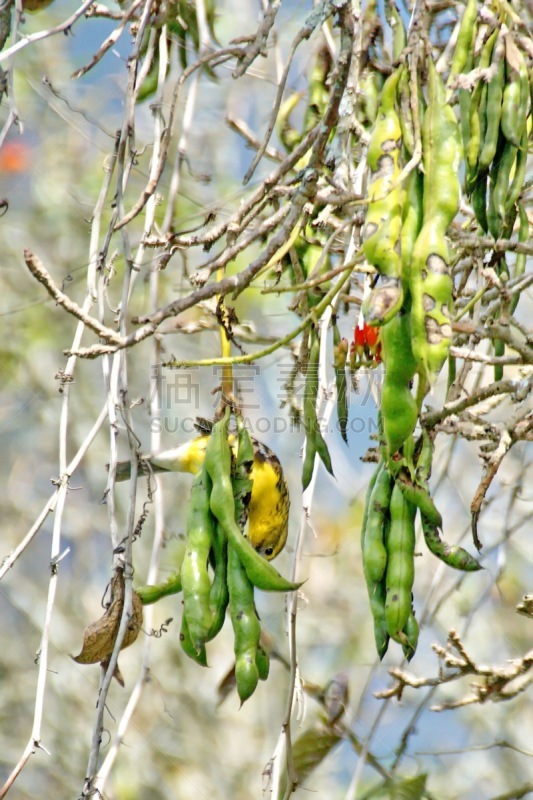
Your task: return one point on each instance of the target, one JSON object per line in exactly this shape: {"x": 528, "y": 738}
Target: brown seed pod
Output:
{"x": 99, "y": 637}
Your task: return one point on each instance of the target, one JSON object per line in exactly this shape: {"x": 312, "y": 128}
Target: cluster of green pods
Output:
{"x": 388, "y": 536}
{"x": 496, "y": 135}
{"x": 220, "y": 569}
{"x": 404, "y": 239}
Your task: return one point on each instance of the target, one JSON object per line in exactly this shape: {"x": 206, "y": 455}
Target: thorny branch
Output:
{"x": 498, "y": 683}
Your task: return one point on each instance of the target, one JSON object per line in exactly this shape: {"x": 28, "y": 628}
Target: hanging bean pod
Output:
{"x": 381, "y": 234}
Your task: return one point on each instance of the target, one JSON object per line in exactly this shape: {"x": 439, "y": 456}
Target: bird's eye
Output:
{"x": 269, "y": 551}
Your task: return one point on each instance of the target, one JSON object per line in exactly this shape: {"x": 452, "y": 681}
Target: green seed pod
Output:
{"x": 373, "y": 545}
{"x": 383, "y": 223}
{"x": 376, "y": 594}
{"x": 369, "y": 89}
{"x": 152, "y": 593}
{"x": 517, "y": 182}
{"x": 411, "y": 220}
{"x": 409, "y": 636}
{"x": 246, "y": 626}
{"x": 383, "y": 302}
{"x": 194, "y": 574}
{"x": 399, "y": 411}
{"x": 477, "y": 112}
{"x": 510, "y": 109}
{"x": 399, "y": 36}
{"x": 369, "y": 490}
{"x": 483, "y": 115}
{"x": 494, "y": 109}
{"x": 431, "y": 293}
{"x": 262, "y": 660}
{"x": 500, "y": 187}
{"x": 406, "y": 114}
{"x": 515, "y": 100}
{"x": 260, "y": 572}
{"x": 474, "y": 142}
{"x": 188, "y": 647}
{"x": 463, "y": 45}
{"x": 381, "y": 234}
{"x": 400, "y": 414}
{"x": 218, "y": 460}
{"x": 218, "y": 595}
{"x": 246, "y": 676}
{"x": 419, "y": 497}
{"x": 430, "y": 281}
{"x": 400, "y": 564}
{"x": 479, "y": 200}
{"x": 387, "y": 133}
{"x": 376, "y": 591}
{"x": 494, "y": 220}
{"x": 452, "y": 555}
{"x": 464, "y": 104}
{"x": 441, "y": 141}
{"x": 425, "y": 459}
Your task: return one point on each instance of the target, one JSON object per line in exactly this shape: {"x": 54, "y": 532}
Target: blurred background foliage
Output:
{"x": 182, "y": 742}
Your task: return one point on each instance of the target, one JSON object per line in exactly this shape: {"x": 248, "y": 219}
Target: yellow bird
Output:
{"x": 35, "y": 5}
{"x": 268, "y": 510}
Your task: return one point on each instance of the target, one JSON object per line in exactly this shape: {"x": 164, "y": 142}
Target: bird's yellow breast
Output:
{"x": 268, "y": 512}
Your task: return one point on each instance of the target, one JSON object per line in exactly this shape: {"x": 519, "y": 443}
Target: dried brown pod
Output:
{"x": 99, "y": 637}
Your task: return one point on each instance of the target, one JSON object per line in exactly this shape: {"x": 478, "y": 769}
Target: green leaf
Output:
{"x": 312, "y": 747}
{"x": 404, "y": 788}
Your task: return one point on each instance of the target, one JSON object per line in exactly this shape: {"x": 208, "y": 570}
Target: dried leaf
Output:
{"x": 117, "y": 674}
{"x": 99, "y": 637}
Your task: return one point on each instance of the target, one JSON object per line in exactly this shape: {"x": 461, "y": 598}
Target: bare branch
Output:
{"x": 110, "y": 41}
{"x": 39, "y": 272}
{"x": 499, "y": 683}
{"x": 64, "y": 27}
{"x": 259, "y": 42}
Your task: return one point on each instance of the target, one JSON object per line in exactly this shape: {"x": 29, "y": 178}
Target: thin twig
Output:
{"x": 108, "y": 43}
{"x": 152, "y": 184}
{"x": 40, "y": 273}
{"x": 250, "y": 357}
{"x": 50, "y": 505}
{"x": 63, "y": 27}
{"x": 240, "y": 127}
{"x": 259, "y": 42}
{"x": 317, "y": 17}
{"x": 432, "y": 418}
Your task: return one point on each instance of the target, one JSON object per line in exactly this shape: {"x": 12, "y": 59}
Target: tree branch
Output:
{"x": 40, "y": 273}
